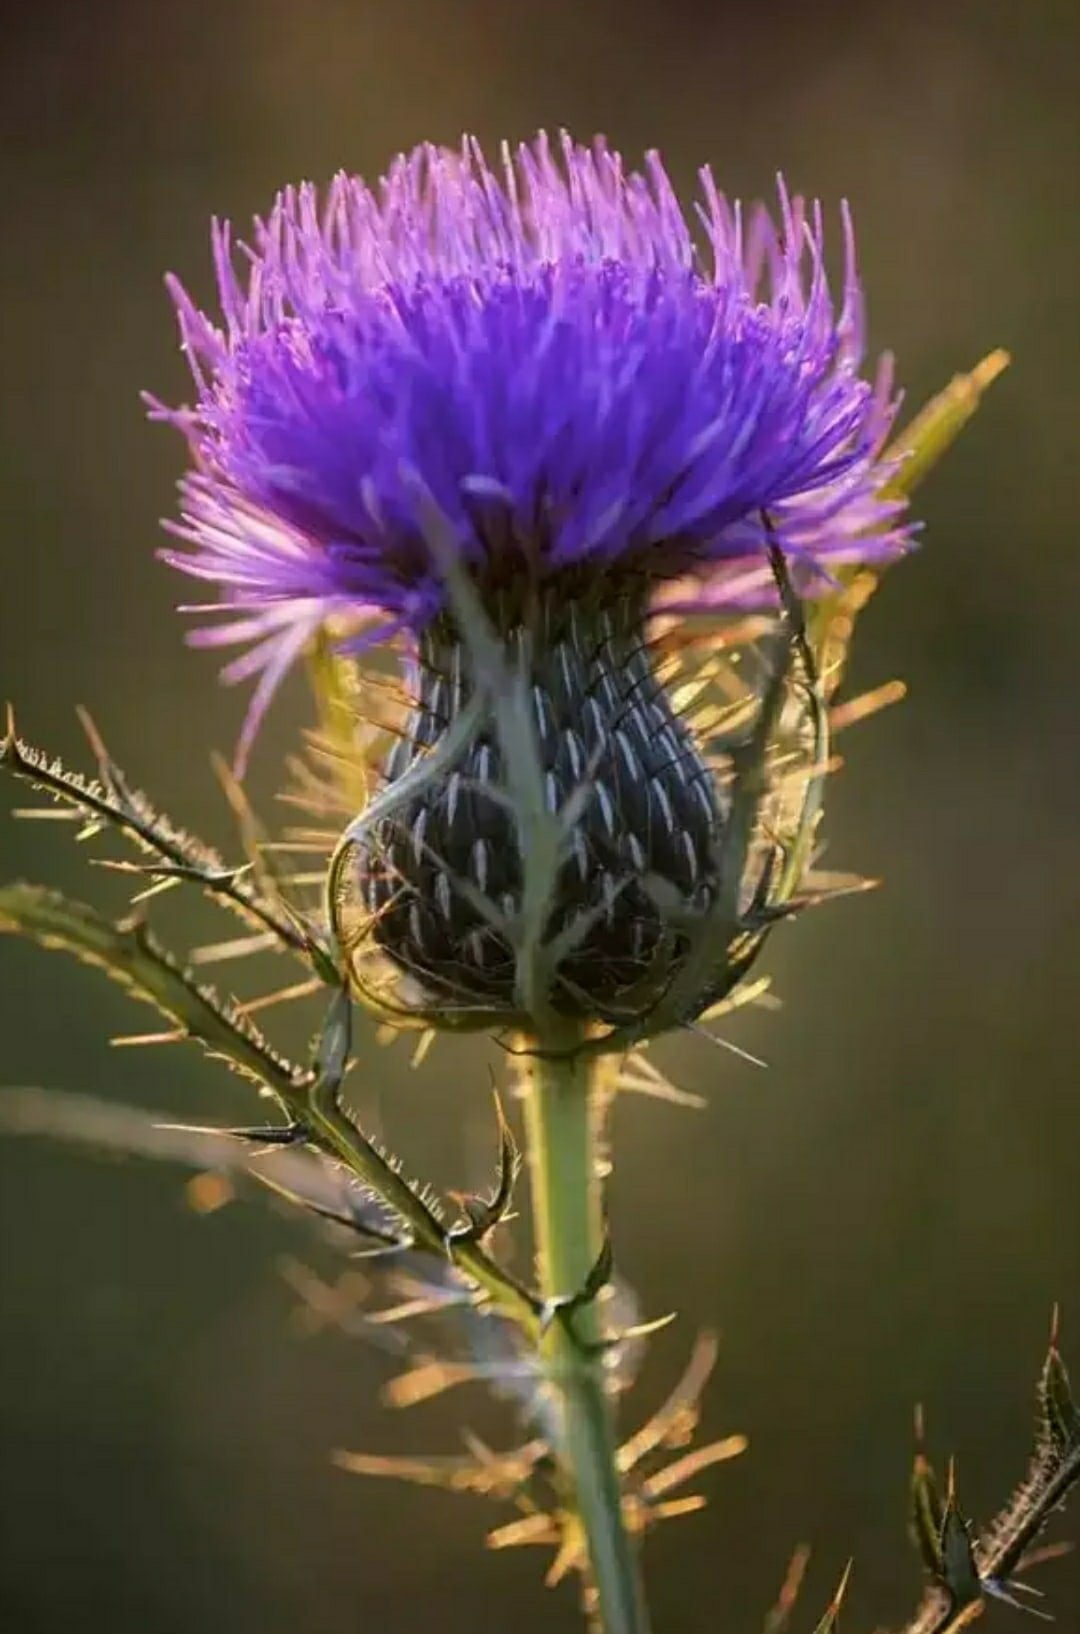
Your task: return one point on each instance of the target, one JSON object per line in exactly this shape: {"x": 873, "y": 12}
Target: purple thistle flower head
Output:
{"x": 532, "y": 374}
{"x": 541, "y": 350}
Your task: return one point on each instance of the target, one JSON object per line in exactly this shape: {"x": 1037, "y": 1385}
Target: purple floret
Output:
{"x": 542, "y": 351}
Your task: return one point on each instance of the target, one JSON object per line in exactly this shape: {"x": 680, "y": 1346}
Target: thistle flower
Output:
{"x": 608, "y": 423}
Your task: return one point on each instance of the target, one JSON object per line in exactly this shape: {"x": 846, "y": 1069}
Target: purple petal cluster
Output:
{"x": 541, "y": 349}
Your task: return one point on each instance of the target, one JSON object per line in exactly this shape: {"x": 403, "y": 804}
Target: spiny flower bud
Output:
{"x": 607, "y": 738}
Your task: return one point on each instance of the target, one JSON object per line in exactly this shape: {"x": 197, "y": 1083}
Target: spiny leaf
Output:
{"x": 274, "y": 1157}
{"x": 334, "y": 1126}
{"x": 599, "y": 1275}
{"x": 354, "y": 1213}
{"x": 1059, "y": 1417}
{"x": 1055, "y": 1469}
{"x": 485, "y": 1213}
{"x": 263, "y": 1136}
{"x": 109, "y": 801}
{"x": 965, "y": 1570}
{"x": 959, "y": 1572}
{"x": 128, "y": 953}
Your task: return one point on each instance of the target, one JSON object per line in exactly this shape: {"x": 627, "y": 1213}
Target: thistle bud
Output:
{"x": 612, "y": 750}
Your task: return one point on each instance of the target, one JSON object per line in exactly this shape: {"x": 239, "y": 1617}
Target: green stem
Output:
{"x": 564, "y": 1110}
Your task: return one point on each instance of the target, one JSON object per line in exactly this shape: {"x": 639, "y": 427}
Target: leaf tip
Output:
{"x": 987, "y": 371}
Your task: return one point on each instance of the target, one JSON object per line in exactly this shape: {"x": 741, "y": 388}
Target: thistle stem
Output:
{"x": 564, "y": 1111}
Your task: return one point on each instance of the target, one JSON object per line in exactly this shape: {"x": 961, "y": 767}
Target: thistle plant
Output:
{"x": 569, "y": 514}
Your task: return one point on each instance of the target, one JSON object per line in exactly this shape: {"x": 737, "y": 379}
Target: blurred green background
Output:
{"x": 885, "y": 1215}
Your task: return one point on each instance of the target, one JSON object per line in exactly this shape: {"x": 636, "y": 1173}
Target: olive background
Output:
{"x": 883, "y": 1216}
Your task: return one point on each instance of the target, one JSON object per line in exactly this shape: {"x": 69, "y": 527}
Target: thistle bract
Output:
{"x": 609, "y": 421}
